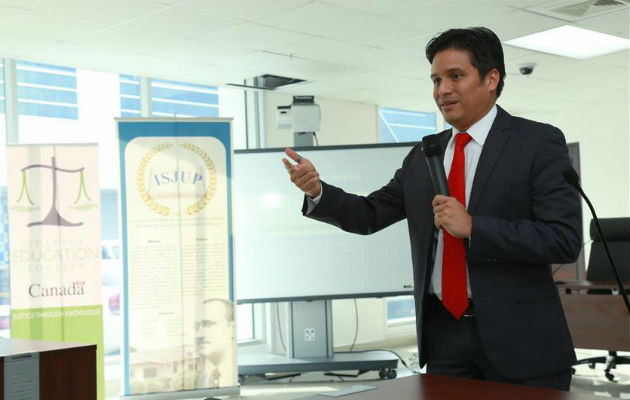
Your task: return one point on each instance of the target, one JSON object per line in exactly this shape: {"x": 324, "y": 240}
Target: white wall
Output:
{"x": 603, "y": 133}
{"x": 231, "y": 102}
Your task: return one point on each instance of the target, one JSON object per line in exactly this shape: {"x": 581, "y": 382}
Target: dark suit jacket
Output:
{"x": 524, "y": 217}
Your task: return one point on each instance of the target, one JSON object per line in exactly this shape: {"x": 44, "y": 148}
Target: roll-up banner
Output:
{"x": 55, "y": 245}
{"x": 178, "y": 280}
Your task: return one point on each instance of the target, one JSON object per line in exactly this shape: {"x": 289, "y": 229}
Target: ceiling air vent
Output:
{"x": 267, "y": 82}
{"x": 572, "y": 10}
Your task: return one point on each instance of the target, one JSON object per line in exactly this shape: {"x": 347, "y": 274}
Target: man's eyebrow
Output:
{"x": 454, "y": 69}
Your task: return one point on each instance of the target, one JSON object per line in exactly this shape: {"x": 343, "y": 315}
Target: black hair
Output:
{"x": 483, "y": 46}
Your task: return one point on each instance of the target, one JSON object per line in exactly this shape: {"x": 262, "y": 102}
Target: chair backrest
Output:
{"x": 617, "y": 233}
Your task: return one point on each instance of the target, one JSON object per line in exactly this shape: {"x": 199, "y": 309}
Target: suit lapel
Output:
{"x": 491, "y": 149}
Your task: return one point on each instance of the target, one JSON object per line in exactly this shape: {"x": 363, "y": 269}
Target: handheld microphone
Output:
{"x": 432, "y": 149}
{"x": 573, "y": 179}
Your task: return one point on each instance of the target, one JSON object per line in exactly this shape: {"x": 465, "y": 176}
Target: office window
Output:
{"x": 129, "y": 96}
{"x": 251, "y": 324}
{"x": 398, "y": 125}
{"x": 48, "y": 110}
{"x": 4, "y": 264}
{"x": 179, "y": 99}
{"x": 3, "y": 135}
{"x": 4, "y": 223}
{"x": 245, "y": 322}
{"x": 45, "y": 90}
{"x": 2, "y": 98}
{"x": 400, "y": 309}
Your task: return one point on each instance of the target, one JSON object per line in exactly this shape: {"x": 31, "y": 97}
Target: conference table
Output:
{"x": 596, "y": 321}
{"x": 437, "y": 387}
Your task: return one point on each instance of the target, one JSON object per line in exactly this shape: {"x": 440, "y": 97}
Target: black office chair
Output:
{"x": 617, "y": 233}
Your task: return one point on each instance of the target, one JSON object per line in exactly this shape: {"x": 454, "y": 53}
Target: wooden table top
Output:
{"x": 590, "y": 285}
{"x": 436, "y": 387}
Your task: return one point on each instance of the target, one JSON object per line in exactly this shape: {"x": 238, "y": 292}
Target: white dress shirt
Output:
{"x": 479, "y": 132}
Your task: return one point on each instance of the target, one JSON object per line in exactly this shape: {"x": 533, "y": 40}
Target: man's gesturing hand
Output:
{"x": 303, "y": 174}
{"x": 451, "y": 215}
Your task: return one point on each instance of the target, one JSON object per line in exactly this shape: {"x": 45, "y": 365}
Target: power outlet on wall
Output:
{"x": 309, "y": 334}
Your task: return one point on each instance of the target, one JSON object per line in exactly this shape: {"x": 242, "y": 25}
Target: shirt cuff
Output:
{"x": 312, "y": 202}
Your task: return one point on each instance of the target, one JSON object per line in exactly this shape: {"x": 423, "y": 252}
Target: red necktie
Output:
{"x": 454, "y": 291}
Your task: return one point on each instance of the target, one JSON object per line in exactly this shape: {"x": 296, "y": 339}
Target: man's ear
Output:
{"x": 492, "y": 79}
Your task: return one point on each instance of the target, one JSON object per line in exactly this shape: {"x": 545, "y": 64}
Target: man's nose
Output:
{"x": 444, "y": 87}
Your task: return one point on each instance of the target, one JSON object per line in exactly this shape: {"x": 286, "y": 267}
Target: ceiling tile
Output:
{"x": 519, "y": 23}
{"x": 205, "y": 74}
{"x": 125, "y": 40}
{"x": 512, "y": 52}
{"x": 179, "y": 21}
{"x": 48, "y": 26}
{"x": 438, "y": 16}
{"x": 292, "y": 67}
{"x": 564, "y": 69}
{"x": 397, "y": 64}
{"x": 344, "y": 24}
{"x": 245, "y": 10}
{"x": 617, "y": 23}
{"x": 520, "y": 3}
{"x": 86, "y": 57}
{"x": 390, "y": 8}
{"x": 414, "y": 45}
{"x": 19, "y": 3}
{"x": 7, "y": 14}
{"x": 188, "y": 50}
{"x": 617, "y": 59}
{"x": 108, "y": 12}
{"x": 17, "y": 46}
{"x": 319, "y": 48}
{"x": 251, "y": 36}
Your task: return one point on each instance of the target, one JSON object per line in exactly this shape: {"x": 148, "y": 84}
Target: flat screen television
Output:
{"x": 281, "y": 255}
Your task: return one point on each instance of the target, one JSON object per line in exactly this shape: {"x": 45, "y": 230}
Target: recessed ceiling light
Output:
{"x": 571, "y": 41}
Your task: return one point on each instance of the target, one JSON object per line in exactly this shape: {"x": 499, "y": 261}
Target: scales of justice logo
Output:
{"x": 176, "y": 179}
{"x": 25, "y": 203}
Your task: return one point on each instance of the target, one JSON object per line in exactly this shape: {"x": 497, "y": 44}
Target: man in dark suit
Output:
{"x": 486, "y": 304}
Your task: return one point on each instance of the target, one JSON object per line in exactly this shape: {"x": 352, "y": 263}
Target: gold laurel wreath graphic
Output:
{"x": 162, "y": 209}
{"x": 212, "y": 181}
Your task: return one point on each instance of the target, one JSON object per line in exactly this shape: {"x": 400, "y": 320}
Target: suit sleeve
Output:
{"x": 361, "y": 214}
{"x": 553, "y": 231}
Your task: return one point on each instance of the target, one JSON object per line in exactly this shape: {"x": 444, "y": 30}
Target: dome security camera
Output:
{"x": 527, "y": 69}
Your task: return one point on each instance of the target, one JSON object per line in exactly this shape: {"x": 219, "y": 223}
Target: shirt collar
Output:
{"x": 480, "y": 129}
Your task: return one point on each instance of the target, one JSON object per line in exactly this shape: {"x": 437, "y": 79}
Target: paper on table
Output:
{"x": 350, "y": 390}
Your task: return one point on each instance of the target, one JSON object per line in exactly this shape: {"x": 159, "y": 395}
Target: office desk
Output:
{"x": 436, "y": 387}
{"x": 65, "y": 370}
{"x": 596, "y": 321}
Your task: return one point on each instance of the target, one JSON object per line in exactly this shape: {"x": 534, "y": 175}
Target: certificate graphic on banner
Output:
{"x": 178, "y": 278}
{"x": 55, "y": 245}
